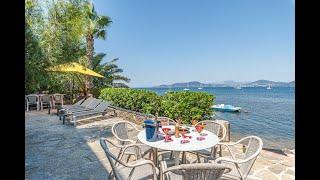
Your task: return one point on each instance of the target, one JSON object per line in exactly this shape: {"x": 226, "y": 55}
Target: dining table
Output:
{"x": 198, "y": 141}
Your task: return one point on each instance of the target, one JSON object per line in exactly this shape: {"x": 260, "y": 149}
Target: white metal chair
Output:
{"x": 135, "y": 170}
{"x": 121, "y": 133}
{"x": 241, "y": 167}
{"x": 217, "y": 129}
{"x": 198, "y": 171}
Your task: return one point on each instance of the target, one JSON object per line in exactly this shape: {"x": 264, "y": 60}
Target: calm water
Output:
{"x": 271, "y": 113}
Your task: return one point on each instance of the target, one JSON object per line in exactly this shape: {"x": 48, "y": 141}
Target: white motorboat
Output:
{"x": 269, "y": 87}
{"x": 226, "y": 108}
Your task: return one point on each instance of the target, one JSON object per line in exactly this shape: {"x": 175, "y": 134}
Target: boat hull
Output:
{"x": 227, "y": 110}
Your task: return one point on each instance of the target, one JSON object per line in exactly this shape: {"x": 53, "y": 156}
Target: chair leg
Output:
{"x": 214, "y": 153}
{"x": 128, "y": 158}
{"x": 198, "y": 158}
{"x": 150, "y": 154}
{"x": 110, "y": 175}
{"x": 184, "y": 157}
{"x": 118, "y": 157}
{"x": 74, "y": 121}
{"x": 171, "y": 155}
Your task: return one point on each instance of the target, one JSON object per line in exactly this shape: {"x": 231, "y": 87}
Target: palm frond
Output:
{"x": 103, "y": 21}
{"x": 120, "y": 78}
{"x": 120, "y": 85}
{"x": 97, "y": 60}
{"x": 100, "y": 34}
{"x": 110, "y": 67}
{"x": 113, "y": 61}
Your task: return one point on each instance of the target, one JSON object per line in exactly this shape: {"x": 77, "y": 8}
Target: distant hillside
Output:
{"x": 259, "y": 83}
{"x": 187, "y": 84}
{"x": 264, "y": 83}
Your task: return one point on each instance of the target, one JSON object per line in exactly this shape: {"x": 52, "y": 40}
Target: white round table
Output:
{"x": 176, "y": 145}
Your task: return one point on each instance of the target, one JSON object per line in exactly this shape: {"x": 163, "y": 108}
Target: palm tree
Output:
{"x": 110, "y": 71}
{"x": 96, "y": 28}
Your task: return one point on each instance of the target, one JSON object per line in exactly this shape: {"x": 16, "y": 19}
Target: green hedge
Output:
{"x": 133, "y": 99}
{"x": 186, "y": 105}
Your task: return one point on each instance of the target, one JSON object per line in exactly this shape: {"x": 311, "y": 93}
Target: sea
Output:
{"x": 267, "y": 113}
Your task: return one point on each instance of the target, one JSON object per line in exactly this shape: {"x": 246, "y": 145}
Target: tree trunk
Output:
{"x": 90, "y": 49}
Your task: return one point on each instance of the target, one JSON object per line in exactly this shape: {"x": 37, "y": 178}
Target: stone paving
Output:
{"x": 56, "y": 151}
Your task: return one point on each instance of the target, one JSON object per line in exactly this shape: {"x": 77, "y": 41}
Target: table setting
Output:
{"x": 177, "y": 138}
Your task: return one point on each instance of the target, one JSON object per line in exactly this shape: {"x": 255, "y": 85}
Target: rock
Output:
{"x": 287, "y": 177}
{"x": 265, "y": 174}
{"x": 277, "y": 168}
{"x": 288, "y": 151}
{"x": 290, "y": 171}
{"x": 288, "y": 163}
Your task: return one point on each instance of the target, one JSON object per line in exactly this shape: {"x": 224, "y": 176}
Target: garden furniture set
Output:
{"x": 209, "y": 148}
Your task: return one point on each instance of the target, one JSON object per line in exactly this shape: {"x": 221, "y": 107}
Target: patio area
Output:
{"x": 57, "y": 151}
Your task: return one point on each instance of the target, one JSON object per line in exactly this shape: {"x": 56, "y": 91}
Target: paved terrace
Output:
{"x": 56, "y": 151}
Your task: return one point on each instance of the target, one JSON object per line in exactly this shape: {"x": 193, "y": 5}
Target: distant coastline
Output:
{"x": 258, "y": 83}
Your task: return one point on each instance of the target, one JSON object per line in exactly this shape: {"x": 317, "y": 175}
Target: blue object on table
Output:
{"x": 151, "y": 130}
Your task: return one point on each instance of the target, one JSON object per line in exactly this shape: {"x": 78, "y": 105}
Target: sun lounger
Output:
{"x": 93, "y": 104}
{"x": 100, "y": 110}
{"x": 80, "y": 105}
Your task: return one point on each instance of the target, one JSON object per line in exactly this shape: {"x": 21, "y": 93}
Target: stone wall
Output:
{"x": 132, "y": 116}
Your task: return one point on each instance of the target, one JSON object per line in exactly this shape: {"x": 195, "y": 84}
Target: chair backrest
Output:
{"x": 32, "y": 98}
{"x": 165, "y": 121}
{"x": 87, "y": 101}
{"x": 120, "y": 131}
{"x": 214, "y": 127}
{"x": 102, "y": 106}
{"x": 200, "y": 171}
{"x": 45, "y": 98}
{"x": 253, "y": 149}
{"x": 58, "y": 98}
{"x": 94, "y": 103}
{"x": 111, "y": 158}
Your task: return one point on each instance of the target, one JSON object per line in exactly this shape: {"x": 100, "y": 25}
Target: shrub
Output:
{"x": 185, "y": 105}
{"x": 143, "y": 101}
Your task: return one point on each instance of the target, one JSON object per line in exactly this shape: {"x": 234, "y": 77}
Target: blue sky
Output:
{"x": 167, "y": 41}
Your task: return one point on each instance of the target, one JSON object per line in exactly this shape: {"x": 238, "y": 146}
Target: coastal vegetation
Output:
{"x": 59, "y": 32}
{"x": 175, "y": 105}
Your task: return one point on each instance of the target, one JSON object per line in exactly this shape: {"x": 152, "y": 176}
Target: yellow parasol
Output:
{"x": 74, "y": 67}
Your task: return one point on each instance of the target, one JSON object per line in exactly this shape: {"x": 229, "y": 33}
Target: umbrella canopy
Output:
{"x": 74, "y": 67}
